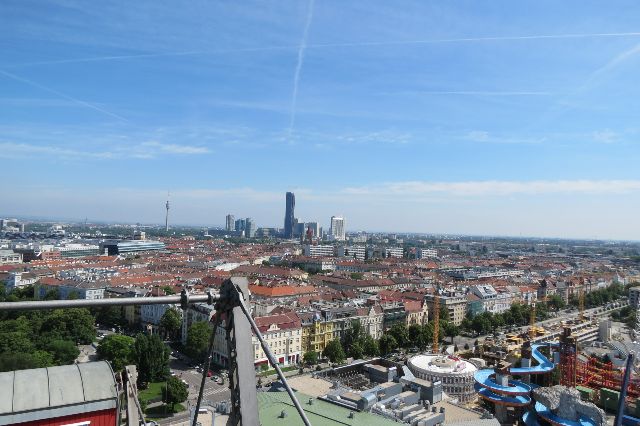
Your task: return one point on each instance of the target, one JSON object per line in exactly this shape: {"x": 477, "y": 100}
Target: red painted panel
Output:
{"x": 96, "y": 418}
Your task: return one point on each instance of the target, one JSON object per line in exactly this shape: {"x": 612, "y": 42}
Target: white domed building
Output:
{"x": 455, "y": 373}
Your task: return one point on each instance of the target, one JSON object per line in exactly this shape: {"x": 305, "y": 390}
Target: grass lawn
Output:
{"x": 153, "y": 390}
{"x": 270, "y": 372}
{"x": 159, "y": 411}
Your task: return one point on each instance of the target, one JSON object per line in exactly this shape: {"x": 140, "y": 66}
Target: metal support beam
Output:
{"x": 119, "y": 301}
{"x": 242, "y": 376}
{"x": 623, "y": 390}
{"x": 274, "y": 363}
{"x": 207, "y": 364}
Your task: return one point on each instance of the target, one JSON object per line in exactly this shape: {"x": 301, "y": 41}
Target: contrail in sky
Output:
{"x": 62, "y": 95}
{"x": 296, "y": 74}
{"x": 328, "y": 45}
{"x": 476, "y": 39}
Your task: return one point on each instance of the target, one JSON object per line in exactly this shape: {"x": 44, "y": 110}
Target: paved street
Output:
{"x": 213, "y": 392}
{"x": 87, "y": 353}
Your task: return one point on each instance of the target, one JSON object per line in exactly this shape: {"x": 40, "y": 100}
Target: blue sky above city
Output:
{"x": 462, "y": 117}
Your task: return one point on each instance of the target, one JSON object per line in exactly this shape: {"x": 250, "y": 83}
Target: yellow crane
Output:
{"x": 532, "y": 322}
{"x": 436, "y": 322}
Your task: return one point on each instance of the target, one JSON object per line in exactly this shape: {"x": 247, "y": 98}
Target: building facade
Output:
{"x": 80, "y": 290}
{"x": 249, "y": 228}
{"x": 316, "y": 332}
{"x": 8, "y": 257}
{"x": 321, "y": 250}
{"x": 453, "y": 304}
{"x": 230, "y": 222}
{"x": 283, "y": 334}
{"x": 337, "y": 229}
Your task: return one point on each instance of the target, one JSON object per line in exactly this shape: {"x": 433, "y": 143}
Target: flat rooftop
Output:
{"x": 321, "y": 413}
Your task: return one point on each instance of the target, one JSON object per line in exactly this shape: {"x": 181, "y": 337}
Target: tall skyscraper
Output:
{"x": 249, "y": 228}
{"x": 337, "y": 230}
{"x": 231, "y": 221}
{"x": 240, "y": 224}
{"x": 289, "y": 215}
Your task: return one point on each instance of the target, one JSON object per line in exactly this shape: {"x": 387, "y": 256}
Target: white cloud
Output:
{"x": 145, "y": 150}
{"x": 21, "y": 150}
{"x": 478, "y": 135}
{"x": 498, "y": 188}
{"x": 486, "y": 137}
{"x": 174, "y": 148}
{"x": 605, "y": 136}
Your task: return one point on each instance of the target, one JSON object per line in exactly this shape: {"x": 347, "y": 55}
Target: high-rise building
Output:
{"x": 289, "y": 215}
{"x": 337, "y": 230}
{"x": 315, "y": 228}
{"x": 249, "y": 228}
{"x": 240, "y": 225}
{"x": 299, "y": 229}
{"x": 231, "y": 221}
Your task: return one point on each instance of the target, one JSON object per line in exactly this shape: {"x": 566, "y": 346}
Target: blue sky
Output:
{"x": 498, "y": 117}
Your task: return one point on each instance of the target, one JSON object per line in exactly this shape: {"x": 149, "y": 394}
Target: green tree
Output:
{"x": 387, "y": 344}
{"x": 16, "y": 342}
{"x": 556, "y": 302}
{"x": 414, "y": 331}
{"x": 175, "y": 392}
{"x": 117, "y": 349}
{"x": 151, "y": 356}
{"x": 110, "y": 315}
{"x": 356, "y": 276}
{"x": 63, "y": 351}
{"x": 198, "y": 340}
{"x": 310, "y": 357}
{"x": 370, "y": 346}
{"x": 400, "y": 333}
{"x": 168, "y": 290}
{"x": 451, "y": 330}
{"x": 356, "y": 351}
{"x": 77, "y": 325}
{"x": 352, "y": 335}
{"x": 10, "y": 361}
{"x": 171, "y": 322}
{"x": 53, "y": 294}
{"x": 481, "y": 324}
{"x": 334, "y": 351}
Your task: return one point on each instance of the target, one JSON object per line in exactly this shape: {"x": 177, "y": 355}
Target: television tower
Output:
{"x": 166, "y": 218}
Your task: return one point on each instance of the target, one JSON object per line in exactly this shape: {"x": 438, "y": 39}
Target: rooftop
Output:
{"x": 29, "y": 395}
{"x": 320, "y": 413}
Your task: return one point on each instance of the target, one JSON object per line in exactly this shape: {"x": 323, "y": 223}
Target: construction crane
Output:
{"x": 532, "y": 322}
{"x": 436, "y": 323}
{"x": 581, "y": 304}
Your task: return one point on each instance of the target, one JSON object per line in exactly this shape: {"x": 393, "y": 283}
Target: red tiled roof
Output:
{"x": 285, "y": 321}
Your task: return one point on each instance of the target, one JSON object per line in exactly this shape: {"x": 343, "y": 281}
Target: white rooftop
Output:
{"x": 442, "y": 364}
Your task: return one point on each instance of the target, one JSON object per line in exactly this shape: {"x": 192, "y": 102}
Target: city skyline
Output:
{"x": 509, "y": 119}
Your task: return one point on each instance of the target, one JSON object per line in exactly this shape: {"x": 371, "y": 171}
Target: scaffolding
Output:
{"x": 568, "y": 349}
{"x": 596, "y": 374}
